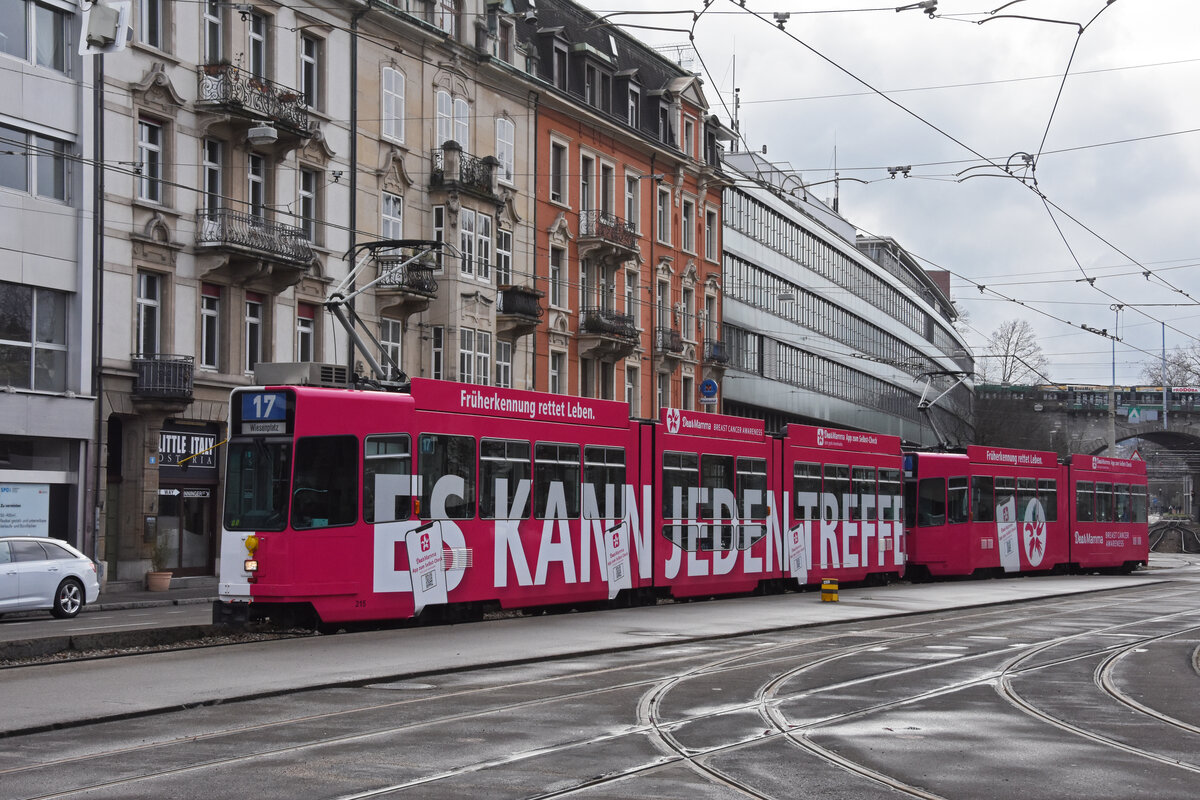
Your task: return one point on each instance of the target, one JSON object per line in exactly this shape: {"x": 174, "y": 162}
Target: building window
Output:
{"x": 439, "y": 232}
{"x": 256, "y": 187}
{"x": 663, "y": 390}
{"x": 253, "y": 328}
{"x": 390, "y": 344}
{"x": 558, "y": 361}
{"x": 31, "y": 161}
{"x": 664, "y": 215}
{"x": 211, "y": 157}
{"x": 687, "y": 300}
{"x": 444, "y": 111}
{"x": 558, "y": 257}
{"x": 445, "y": 16}
{"x": 310, "y": 70}
{"x": 689, "y": 136}
{"x": 34, "y": 32}
{"x": 504, "y": 364}
{"x": 587, "y": 377}
{"x": 587, "y": 170}
{"x": 687, "y": 391}
{"x": 688, "y": 224}
{"x": 634, "y": 117}
{"x": 210, "y": 326}
{"x": 462, "y": 122}
{"x": 391, "y": 216}
{"x": 632, "y": 192}
{"x": 393, "y": 104}
{"x": 504, "y": 276}
{"x": 506, "y": 148}
{"x": 150, "y": 161}
{"x": 631, "y": 287}
{"x": 502, "y": 45}
{"x": 258, "y": 45}
{"x": 710, "y": 235}
{"x": 437, "y": 345}
{"x": 632, "y": 396}
{"x": 150, "y": 23}
{"x": 666, "y": 125}
{"x": 306, "y": 321}
{"x": 310, "y": 181}
{"x": 560, "y": 66}
{"x": 214, "y": 47}
{"x": 33, "y": 338}
{"x": 558, "y": 172}
{"x": 474, "y": 356}
{"x": 149, "y": 313}
{"x": 466, "y": 241}
{"x": 483, "y": 247}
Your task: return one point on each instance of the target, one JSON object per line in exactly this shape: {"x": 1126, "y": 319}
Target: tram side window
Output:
{"x": 604, "y": 483}
{"x": 1139, "y": 504}
{"x": 325, "y": 487}
{"x": 837, "y": 483}
{"x": 503, "y": 465}
{"x": 806, "y": 480}
{"x": 931, "y": 503}
{"x": 1085, "y": 501}
{"x": 1006, "y": 495}
{"x": 716, "y": 472}
{"x": 890, "y": 487}
{"x": 680, "y": 472}
{"x": 957, "y": 508}
{"x": 862, "y": 480}
{"x": 446, "y": 467}
{"x": 752, "y": 477}
{"x": 1048, "y": 494}
{"x": 256, "y": 488}
{"x": 1026, "y": 494}
{"x": 910, "y": 504}
{"x": 1104, "y": 503}
{"x": 1123, "y": 506}
{"x": 556, "y": 481}
{"x": 983, "y": 499}
{"x": 387, "y": 456}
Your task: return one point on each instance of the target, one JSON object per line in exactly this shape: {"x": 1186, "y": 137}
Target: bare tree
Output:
{"x": 1012, "y": 356}
{"x": 1183, "y": 367}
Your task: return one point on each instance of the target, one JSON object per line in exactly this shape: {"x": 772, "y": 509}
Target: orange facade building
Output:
{"x": 627, "y": 219}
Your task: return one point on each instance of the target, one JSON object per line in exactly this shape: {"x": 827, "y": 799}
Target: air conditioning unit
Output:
{"x": 302, "y": 373}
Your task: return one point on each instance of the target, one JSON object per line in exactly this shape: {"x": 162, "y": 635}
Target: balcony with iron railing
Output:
{"x": 518, "y": 310}
{"x": 405, "y": 286}
{"x": 668, "y": 340}
{"x": 603, "y": 230}
{"x": 253, "y": 235}
{"x": 604, "y": 333}
{"x": 161, "y": 377}
{"x": 716, "y": 352}
{"x": 237, "y": 91}
{"x": 451, "y": 168}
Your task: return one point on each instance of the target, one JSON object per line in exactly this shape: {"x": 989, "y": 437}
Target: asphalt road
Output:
{"x": 1055, "y": 687}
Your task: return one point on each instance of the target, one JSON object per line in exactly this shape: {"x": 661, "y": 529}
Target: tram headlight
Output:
{"x": 250, "y": 565}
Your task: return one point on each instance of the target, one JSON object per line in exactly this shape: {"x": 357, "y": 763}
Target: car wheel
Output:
{"x": 68, "y": 599}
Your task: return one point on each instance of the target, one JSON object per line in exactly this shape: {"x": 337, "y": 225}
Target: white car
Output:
{"x": 38, "y": 573}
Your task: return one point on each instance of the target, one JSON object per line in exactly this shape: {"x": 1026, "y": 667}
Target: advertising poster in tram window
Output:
{"x": 797, "y": 552}
{"x": 616, "y": 554}
{"x": 24, "y": 509}
{"x": 1007, "y": 535}
{"x": 427, "y": 566}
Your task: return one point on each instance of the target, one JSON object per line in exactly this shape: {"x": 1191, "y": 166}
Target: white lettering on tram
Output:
{"x": 852, "y": 549}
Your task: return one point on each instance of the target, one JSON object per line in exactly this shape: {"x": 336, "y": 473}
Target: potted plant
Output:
{"x": 159, "y": 578}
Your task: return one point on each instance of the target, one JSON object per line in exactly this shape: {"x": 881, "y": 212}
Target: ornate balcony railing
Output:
{"x": 237, "y": 90}
{"x": 453, "y": 167}
{"x": 606, "y": 322}
{"x": 608, "y": 227}
{"x": 396, "y": 275}
{"x": 668, "y": 340}
{"x": 162, "y": 376}
{"x": 715, "y": 352}
{"x": 520, "y": 300}
{"x": 273, "y": 240}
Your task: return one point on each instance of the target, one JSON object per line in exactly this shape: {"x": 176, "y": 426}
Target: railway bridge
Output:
{"x": 1075, "y": 419}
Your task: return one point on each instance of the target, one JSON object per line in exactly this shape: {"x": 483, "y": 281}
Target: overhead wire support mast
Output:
{"x": 339, "y": 301}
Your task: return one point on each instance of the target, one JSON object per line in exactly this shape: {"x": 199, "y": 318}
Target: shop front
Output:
{"x": 188, "y": 479}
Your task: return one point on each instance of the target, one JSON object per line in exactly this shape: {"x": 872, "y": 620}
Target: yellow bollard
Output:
{"x": 829, "y": 590}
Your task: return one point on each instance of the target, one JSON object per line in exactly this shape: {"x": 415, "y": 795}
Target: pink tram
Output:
{"x": 344, "y": 506}
{"x": 993, "y": 511}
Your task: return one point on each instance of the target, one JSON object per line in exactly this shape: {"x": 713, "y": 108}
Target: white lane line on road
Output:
{"x": 99, "y": 627}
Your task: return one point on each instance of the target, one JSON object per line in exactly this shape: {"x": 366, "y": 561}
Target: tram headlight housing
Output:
{"x": 250, "y": 565}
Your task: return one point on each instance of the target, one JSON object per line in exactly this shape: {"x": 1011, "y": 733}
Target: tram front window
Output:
{"x": 256, "y": 488}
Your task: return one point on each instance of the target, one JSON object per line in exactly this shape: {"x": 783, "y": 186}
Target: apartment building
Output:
{"x": 48, "y": 275}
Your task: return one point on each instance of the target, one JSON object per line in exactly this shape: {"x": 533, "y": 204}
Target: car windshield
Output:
{"x": 256, "y": 488}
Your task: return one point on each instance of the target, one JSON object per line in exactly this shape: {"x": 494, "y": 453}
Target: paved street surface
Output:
{"x": 979, "y": 689}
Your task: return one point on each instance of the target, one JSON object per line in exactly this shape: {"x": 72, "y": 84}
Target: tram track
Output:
{"x": 652, "y": 723}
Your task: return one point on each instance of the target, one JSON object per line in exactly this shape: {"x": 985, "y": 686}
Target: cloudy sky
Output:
{"x": 1109, "y": 214}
